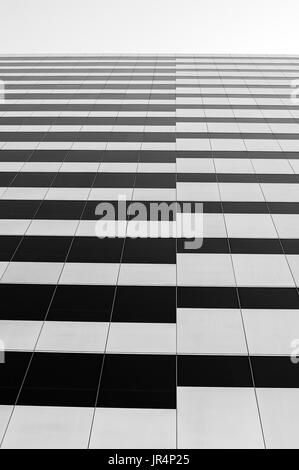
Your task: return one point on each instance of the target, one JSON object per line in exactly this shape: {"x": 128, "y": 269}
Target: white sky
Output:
{"x": 149, "y": 26}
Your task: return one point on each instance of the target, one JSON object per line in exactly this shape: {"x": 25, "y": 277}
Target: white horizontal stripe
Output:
{"x": 90, "y": 74}
{"x": 14, "y": 226}
{"x": 77, "y": 89}
{"x": 99, "y": 67}
{"x": 123, "y": 82}
{"x": 250, "y": 270}
{"x": 89, "y": 273}
{"x": 195, "y": 191}
{"x": 50, "y": 227}
{"x": 54, "y": 336}
{"x": 39, "y": 273}
{"x": 109, "y": 101}
{"x": 142, "y": 338}
{"x": 147, "y": 274}
{"x": 238, "y": 226}
{"x": 116, "y": 113}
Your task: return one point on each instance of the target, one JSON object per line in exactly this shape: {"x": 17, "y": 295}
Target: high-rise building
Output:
{"x": 118, "y": 333}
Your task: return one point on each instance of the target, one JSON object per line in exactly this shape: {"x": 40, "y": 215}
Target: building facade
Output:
{"x": 148, "y": 341}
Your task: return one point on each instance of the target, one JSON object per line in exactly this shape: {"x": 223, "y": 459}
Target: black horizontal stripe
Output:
{"x": 237, "y": 135}
{"x": 236, "y": 154}
{"x": 35, "y": 302}
{"x": 92, "y": 250}
{"x": 214, "y": 371}
{"x": 123, "y": 87}
{"x": 119, "y": 136}
{"x": 137, "y": 86}
{"x": 24, "y": 61}
{"x": 153, "y": 387}
{"x": 87, "y": 136}
{"x": 62, "y": 379}
{"x": 90, "y": 96}
{"x": 242, "y": 245}
{"x": 149, "y": 156}
{"x": 88, "y": 303}
{"x": 135, "y": 107}
{"x": 237, "y": 178}
{"x": 140, "y": 180}
{"x": 235, "y": 371}
{"x": 127, "y": 95}
{"x": 127, "y": 120}
{"x": 226, "y": 297}
{"x": 141, "y": 78}
{"x": 143, "y": 250}
{"x": 149, "y": 70}
{"x": 88, "y": 121}
{"x": 88, "y": 107}
{"x": 72, "y": 210}
{"x": 86, "y": 180}
{"x": 81, "y": 303}
{"x": 130, "y": 156}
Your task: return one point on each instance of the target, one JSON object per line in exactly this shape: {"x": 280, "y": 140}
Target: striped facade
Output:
{"x": 141, "y": 342}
